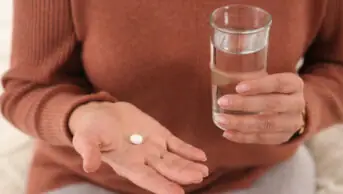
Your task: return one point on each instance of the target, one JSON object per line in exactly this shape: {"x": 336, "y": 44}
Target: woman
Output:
{"x": 87, "y": 75}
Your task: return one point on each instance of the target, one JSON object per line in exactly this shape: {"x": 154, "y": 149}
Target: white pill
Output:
{"x": 136, "y": 139}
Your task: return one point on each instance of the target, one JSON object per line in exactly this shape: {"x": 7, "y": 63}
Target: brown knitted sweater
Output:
{"x": 155, "y": 54}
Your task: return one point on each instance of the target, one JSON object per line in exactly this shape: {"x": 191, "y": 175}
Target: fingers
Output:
{"x": 89, "y": 150}
{"x": 263, "y": 123}
{"x": 270, "y": 129}
{"x": 258, "y": 138}
{"x": 263, "y": 103}
{"x": 185, "y": 150}
{"x": 276, "y": 83}
{"x": 177, "y": 169}
{"x": 147, "y": 178}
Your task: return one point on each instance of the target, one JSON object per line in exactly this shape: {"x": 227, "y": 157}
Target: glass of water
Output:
{"x": 239, "y": 47}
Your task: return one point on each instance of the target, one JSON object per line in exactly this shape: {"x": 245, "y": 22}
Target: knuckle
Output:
{"x": 250, "y": 123}
{"x": 266, "y": 123}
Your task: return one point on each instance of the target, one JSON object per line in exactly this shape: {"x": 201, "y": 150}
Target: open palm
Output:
{"x": 160, "y": 164}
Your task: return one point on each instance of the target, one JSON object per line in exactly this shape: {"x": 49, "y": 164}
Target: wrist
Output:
{"x": 80, "y": 116}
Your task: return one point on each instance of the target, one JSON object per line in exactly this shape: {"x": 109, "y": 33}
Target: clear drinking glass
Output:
{"x": 239, "y": 47}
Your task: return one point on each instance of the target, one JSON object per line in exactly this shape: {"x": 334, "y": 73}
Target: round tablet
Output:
{"x": 136, "y": 139}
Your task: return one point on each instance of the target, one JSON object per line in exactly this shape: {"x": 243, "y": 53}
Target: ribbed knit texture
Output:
{"x": 44, "y": 82}
{"x": 155, "y": 55}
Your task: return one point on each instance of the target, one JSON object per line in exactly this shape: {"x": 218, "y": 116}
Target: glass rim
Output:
{"x": 249, "y": 31}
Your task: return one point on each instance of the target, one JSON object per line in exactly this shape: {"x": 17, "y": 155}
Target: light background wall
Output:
{"x": 5, "y": 31}
{"x": 15, "y": 147}
{"x": 6, "y": 130}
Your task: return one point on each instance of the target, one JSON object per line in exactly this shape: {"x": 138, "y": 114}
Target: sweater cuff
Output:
{"x": 55, "y": 115}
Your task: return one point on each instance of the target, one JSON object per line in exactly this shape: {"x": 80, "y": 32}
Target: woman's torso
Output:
{"x": 155, "y": 54}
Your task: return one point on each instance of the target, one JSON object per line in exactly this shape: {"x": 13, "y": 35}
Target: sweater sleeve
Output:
{"x": 323, "y": 72}
{"x": 46, "y": 79}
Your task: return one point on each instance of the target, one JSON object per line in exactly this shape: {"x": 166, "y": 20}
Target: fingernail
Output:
{"x": 204, "y": 158}
{"x": 85, "y": 169}
{"x": 241, "y": 88}
{"x": 206, "y": 173}
{"x": 198, "y": 180}
{"x": 227, "y": 135}
{"x": 220, "y": 119}
{"x": 224, "y": 101}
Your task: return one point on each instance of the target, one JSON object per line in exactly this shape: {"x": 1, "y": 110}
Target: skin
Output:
{"x": 161, "y": 164}
{"x": 101, "y": 132}
{"x": 279, "y": 99}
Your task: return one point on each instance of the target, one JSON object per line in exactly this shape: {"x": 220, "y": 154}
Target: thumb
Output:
{"x": 88, "y": 148}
